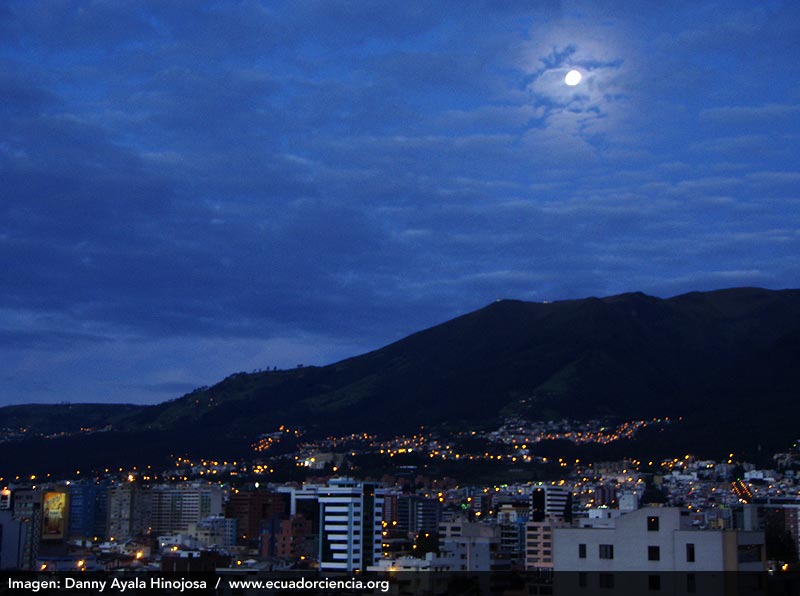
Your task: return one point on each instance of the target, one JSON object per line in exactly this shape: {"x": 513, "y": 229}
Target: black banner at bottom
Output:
{"x": 235, "y": 582}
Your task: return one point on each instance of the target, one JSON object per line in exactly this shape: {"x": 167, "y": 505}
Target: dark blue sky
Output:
{"x": 187, "y": 192}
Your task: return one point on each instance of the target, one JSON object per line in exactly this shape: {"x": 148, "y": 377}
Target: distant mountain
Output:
{"x": 727, "y": 361}
{"x": 47, "y": 419}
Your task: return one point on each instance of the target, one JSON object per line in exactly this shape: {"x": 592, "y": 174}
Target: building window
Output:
{"x": 581, "y": 551}
{"x": 582, "y": 581}
{"x": 606, "y": 580}
{"x": 690, "y": 553}
{"x": 606, "y": 551}
{"x": 653, "y": 553}
{"x": 691, "y": 583}
{"x": 652, "y": 523}
{"x": 654, "y": 582}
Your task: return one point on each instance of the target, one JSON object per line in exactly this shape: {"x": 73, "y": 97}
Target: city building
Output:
{"x": 779, "y": 518}
{"x": 304, "y": 500}
{"x": 551, "y": 501}
{"x": 466, "y": 546}
{"x": 11, "y": 538}
{"x": 174, "y": 507}
{"x": 214, "y": 533}
{"x": 253, "y": 509}
{"x": 539, "y": 543}
{"x": 390, "y": 507}
{"x": 291, "y": 538}
{"x": 512, "y": 519}
{"x": 188, "y": 561}
{"x": 605, "y": 495}
{"x": 88, "y": 510}
{"x": 351, "y": 515}
{"x": 417, "y": 514}
{"x": 129, "y": 509}
{"x": 26, "y": 507}
{"x": 656, "y": 539}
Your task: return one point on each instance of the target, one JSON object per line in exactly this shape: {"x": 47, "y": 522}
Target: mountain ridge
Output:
{"x": 699, "y": 355}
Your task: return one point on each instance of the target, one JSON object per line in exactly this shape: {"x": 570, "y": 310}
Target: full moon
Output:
{"x": 573, "y": 78}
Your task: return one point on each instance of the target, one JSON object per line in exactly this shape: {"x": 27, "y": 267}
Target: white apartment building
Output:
{"x": 656, "y": 539}
{"x": 550, "y": 501}
{"x": 351, "y": 513}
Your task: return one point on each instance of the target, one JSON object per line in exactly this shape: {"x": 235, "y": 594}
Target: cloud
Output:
{"x": 146, "y": 370}
{"x": 783, "y": 179}
{"x": 190, "y": 191}
{"x": 750, "y": 115}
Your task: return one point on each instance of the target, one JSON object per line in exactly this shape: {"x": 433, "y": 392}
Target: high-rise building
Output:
{"x": 128, "y": 511}
{"x": 175, "y": 507}
{"x": 511, "y": 519}
{"x": 11, "y": 538}
{"x": 88, "y": 510}
{"x": 551, "y": 501}
{"x": 304, "y": 500}
{"x": 390, "y": 505}
{"x": 351, "y": 513}
{"x": 417, "y": 514}
{"x": 252, "y": 510}
{"x": 26, "y": 506}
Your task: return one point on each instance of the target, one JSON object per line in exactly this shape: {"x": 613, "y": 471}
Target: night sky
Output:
{"x": 187, "y": 191}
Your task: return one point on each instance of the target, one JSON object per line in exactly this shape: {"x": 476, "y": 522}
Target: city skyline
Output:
{"x": 186, "y": 193}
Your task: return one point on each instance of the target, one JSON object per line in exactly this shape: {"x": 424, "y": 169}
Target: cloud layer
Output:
{"x": 187, "y": 191}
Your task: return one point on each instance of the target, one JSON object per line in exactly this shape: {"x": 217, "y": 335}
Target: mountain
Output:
{"x": 726, "y": 361}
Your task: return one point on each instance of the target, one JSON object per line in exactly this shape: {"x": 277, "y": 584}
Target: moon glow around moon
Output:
{"x": 573, "y": 78}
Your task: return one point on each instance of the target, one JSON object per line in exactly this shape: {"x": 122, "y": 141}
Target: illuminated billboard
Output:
{"x": 54, "y": 512}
